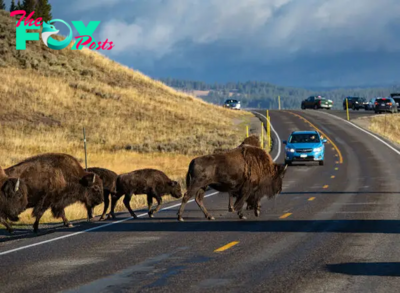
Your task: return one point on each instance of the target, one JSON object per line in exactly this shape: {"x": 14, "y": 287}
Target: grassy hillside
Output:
{"x": 131, "y": 121}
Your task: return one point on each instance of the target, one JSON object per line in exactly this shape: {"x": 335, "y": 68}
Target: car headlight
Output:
{"x": 317, "y": 149}
{"x": 289, "y": 150}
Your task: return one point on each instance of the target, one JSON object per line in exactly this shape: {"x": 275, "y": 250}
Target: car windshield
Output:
{"x": 230, "y": 101}
{"x": 384, "y": 100}
{"x": 304, "y": 138}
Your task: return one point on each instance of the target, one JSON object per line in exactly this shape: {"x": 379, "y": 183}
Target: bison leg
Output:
{"x": 114, "y": 200}
{"x": 257, "y": 209}
{"x": 7, "y": 225}
{"x": 149, "y": 202}
{"x": 38, "y": 212}
{"x": 190, "y": 193}
{"x": 239, "y": 208}
{"x": 230, "y": 206}
{"x": 199, "y": 201}
{"x": 60, "y": 213}
{"x": 159, "y": 202}
{"x": 127, "y": 200}
{"x": 106, "y": 204}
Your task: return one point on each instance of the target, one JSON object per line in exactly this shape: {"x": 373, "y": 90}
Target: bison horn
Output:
{"x": 94, "y": 178}
{"x": 17, "y": 185}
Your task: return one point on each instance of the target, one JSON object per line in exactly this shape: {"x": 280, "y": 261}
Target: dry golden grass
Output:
{"x": 131, "y": 121}
{"x": 387, "y": 126}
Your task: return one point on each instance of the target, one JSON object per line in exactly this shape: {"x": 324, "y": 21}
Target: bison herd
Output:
{"x": 55, "y": 181}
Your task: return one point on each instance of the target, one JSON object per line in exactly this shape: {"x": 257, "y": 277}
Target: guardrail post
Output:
{"x": 247, "y": 131}
{"x": 347, "y": 109}
{"x": 262, "y": 135}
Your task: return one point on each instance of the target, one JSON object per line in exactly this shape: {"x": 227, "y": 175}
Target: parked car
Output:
{"x": 355, "y": 103}
{"x": 316, "y": 102}
{"x": 385, "y": 105}
{"x": 371, "y": 105}
{"x": 304, "y": 146}
{"x": 232, "y": 104}
{"x": 396, "y": 98}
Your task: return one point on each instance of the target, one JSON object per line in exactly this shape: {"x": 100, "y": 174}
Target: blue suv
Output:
{"x": 304, "y": 146}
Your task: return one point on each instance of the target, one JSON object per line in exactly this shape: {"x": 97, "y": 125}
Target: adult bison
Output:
{"x": 56, "y": 181}
{"x": 153, "y": 183}
{"x": 13, "y": 199}
{"x": 247, "y": 172}
{"x": 109, "y": 179}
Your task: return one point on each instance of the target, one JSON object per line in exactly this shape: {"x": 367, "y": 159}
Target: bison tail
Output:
{"x": 188, "y": 174}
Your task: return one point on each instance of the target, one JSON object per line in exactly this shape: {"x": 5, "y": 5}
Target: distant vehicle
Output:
{"x": 316, "y": 102}
{"x": 355, "y": 103}
{"x": 385, "y": 105}
{"x": 371, "y": 105}
{"x": 396, "y": 98}
{"x": 304, "y": 146}
{"x": 232, "y": 104}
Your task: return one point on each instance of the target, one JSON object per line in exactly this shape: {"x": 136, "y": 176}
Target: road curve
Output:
{"x": 334, "y": 229}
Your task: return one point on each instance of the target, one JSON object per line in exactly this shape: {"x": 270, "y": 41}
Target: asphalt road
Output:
{"x": 333, "y": 229}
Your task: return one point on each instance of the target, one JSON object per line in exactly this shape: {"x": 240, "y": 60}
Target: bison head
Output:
{"x": 13, "y": 198}
{"x": 277, "y": 181}
{"x": 175, "y": 189}
{"x": 94, "y": 191}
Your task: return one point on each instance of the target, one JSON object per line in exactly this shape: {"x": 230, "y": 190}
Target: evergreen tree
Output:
{"x": 19, "y": 6}
{"x": 13, "y": 7}
{"x": 29, "y": 6}
{"x": 2, "y": 5}
{"x": 43, "y": 10}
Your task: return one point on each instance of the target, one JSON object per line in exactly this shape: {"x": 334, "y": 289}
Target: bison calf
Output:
{"x": 13, "y": 199}
{"x": 56, "y": 181}
{"x": 153, "y": 183}
{"x": 109, "y": 179}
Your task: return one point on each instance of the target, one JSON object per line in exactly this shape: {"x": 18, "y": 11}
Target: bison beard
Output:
{"x": 56, "y": 181}
{"x": 247, "y": 172}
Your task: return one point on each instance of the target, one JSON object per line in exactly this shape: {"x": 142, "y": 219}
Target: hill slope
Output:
{"x": 131, "y": 121}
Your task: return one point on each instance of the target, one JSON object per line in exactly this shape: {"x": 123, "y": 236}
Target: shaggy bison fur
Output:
{"x": 109, "y": 179}
{"x": 154, "y": 183}
{"x": 56, "y": 181}
{"x": 247, "y": 172}
{"x": 13, "y": 199}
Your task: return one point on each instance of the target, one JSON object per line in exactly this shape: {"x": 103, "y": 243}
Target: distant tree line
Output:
{"x": 257, "y": 94}
{"x": 42, "y": 8}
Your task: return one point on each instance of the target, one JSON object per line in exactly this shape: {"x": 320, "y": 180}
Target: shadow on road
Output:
{"x": 338, "y": 192}
{"x": 391, "y": 269}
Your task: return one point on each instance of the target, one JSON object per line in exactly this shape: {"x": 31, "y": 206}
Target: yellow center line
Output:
{"x": 322, "y": 133}
{"x": 285, "y": 216}
{"x": 311, "y": 198}
{"x": 225, "y": 247}
{"x": 332, "y": 176}
{"x": 336, "y": 168}
{"x": 326, "y": 186}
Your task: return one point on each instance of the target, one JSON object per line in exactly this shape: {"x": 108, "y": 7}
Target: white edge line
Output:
{"x": 363, "y": 130}
{"x": 92, "y": 229}
{"x": 126, "y": 219}
{"x": 276, "y": 134}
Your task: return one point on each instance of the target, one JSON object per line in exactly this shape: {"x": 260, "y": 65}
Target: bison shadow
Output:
{"x": 390, "y": 269}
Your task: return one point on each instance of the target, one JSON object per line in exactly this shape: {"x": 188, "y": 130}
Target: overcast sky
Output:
{"x": 287, "y": 42}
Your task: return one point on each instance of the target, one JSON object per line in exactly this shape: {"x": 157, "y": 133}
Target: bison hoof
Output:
{"x": 242, "y": 217}
{"x": 211, "y": 218}
{"x": 151, "y": 215}
{"x": 231, "y": 209}
{"x": 180, "y": 219}
{"x": 134, "y": 216}
{"x": 69, "y": 225}
{"x": 257, "y": 213}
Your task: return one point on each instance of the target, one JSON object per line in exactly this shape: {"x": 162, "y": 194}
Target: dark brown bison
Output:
{"x": 109, "y": 179}
{"x": 153, "y": 183}
{"x": 247, "y": 172}
{"x": 56, "y": 181}
{"x": 13, "y": 199}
